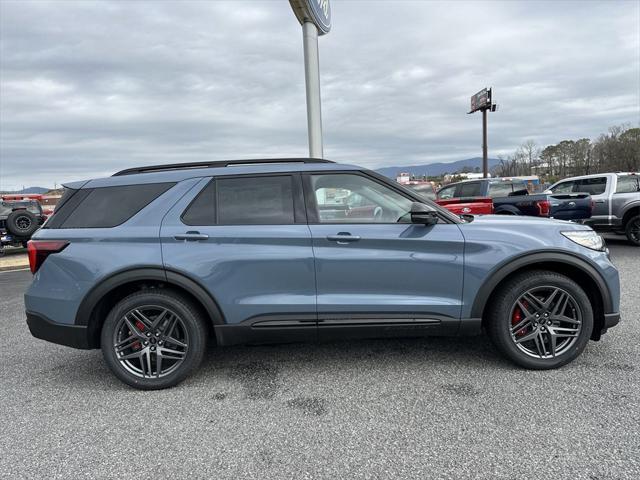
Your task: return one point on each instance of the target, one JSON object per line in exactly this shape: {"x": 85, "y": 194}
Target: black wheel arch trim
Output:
{"x": 512, "y": 265}
{"x": 170, "y": 277}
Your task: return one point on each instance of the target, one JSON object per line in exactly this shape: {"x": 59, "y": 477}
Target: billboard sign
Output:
{"x": 481, "y": 100}
{"x": 317, "y": 12}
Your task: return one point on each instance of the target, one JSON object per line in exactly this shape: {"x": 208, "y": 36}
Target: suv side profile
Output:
{"x": 152, "y": 263}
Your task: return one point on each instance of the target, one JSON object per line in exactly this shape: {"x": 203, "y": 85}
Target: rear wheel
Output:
{"x": 153, "y": 339}
{"x": 540, "y": 320}
{"x": 632, "y": 230}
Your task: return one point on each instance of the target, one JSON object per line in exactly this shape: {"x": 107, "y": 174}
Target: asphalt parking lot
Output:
{"x": 427, "y": 408}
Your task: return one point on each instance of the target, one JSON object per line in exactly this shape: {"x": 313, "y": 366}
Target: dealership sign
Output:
{"x": 317, "y": 12}
{"x": 481, "y": 100}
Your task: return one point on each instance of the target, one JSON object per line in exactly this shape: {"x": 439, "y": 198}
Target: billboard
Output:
{"x": 481, "y": 100}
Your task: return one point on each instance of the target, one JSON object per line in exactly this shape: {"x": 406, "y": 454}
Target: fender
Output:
{"x": 169, "y": 277}
{"x": 510, "y": 266}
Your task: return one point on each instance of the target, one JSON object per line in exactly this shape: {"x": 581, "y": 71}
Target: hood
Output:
{"x": 516, "y": 221}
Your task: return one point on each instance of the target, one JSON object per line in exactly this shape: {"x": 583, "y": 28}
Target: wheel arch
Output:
{"x": 97, "y": 303}
{"x": 575, "y": 268}
{"x": 631, "y": 210}
{"x": 506, "y": 210}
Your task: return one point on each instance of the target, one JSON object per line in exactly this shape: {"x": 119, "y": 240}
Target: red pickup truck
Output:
{"x": 459, "y": 206}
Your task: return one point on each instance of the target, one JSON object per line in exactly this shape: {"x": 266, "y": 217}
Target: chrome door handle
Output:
{"x": 343, "y": 238}
{"x": 192, "y": 236}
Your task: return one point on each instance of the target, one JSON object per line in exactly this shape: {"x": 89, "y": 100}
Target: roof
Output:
{"x": 179, "y": 172}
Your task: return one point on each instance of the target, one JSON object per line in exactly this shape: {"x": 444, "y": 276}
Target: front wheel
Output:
{"x": 632, "y": 230}
{"x": 153, "y": 339}
{"x": 540, "y": 320}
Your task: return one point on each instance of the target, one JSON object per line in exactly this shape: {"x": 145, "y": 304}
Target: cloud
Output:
{"x": 87, "y": 88}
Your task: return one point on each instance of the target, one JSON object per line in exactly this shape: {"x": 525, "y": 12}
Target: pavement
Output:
{"x": 441, "y": 408}
{"x": 14, "y": 259}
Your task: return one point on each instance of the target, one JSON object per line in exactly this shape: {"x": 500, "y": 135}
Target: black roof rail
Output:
{"x": 215, "y": 164}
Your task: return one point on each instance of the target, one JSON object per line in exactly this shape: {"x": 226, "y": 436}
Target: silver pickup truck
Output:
{"x": 616, "y": 198}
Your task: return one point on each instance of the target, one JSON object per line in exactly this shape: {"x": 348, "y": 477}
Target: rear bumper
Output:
{"x": 75, "y": 336}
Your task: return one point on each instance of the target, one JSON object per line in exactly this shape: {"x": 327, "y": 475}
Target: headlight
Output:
{"x": 586, "y": 238}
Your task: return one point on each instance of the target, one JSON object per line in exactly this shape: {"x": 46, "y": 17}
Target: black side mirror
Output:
{"x": 421, "y": 214}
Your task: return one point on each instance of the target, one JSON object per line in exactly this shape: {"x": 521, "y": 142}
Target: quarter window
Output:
{"x": 202, "y": 210}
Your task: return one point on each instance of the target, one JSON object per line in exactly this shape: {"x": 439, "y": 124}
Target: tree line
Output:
{"x": 615, "y": 151}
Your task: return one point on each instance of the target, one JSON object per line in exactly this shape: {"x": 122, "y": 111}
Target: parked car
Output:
{"x": 426, "y": 189}
{"x": 512, "y": 198}
{"x": 616, "y": 198}
{"x": 18, "y": 221}
{"x": 254, "y": 252}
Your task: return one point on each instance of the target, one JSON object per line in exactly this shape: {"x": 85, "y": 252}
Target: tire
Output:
{"x": 506, "y": 315}
{"x": 632, "y": 230}
{"x": 22, "y": 223}
{"x": 131, "y": 323}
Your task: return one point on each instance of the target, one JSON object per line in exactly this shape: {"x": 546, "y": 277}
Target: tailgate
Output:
{"x": 571, "y": 206}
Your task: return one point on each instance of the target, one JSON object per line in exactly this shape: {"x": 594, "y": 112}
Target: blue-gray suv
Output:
{"x": 153, "y": 263}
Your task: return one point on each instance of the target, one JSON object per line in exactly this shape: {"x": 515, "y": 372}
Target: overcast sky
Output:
{"x": 88, "y": 88}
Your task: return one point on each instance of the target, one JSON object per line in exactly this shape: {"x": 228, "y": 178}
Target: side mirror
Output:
{"x": 423, "y": 215}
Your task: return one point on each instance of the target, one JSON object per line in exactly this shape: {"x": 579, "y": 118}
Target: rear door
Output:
{"x": 376, "y": 273}
{"x": 246, "y": 241}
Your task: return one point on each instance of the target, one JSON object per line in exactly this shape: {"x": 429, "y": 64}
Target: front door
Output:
{"x": 376, "y": 273}
{"x": 245, "y": 240}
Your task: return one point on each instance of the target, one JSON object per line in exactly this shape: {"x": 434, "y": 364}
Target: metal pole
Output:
{"x": 485, "y": 157}
{"x": 312, "y": 80}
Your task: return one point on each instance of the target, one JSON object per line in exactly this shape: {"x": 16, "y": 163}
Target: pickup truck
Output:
{"x": 616, "y": 198}
{"x": 459, "y": 206}
{"x": 510, "y": 197}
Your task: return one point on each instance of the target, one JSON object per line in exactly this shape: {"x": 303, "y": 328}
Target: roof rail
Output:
{"x": 216, "y": 164}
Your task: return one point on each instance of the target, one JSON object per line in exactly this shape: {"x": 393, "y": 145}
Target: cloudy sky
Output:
{"x": 88, "y": 87}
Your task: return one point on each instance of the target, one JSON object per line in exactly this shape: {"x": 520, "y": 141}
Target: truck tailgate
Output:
{"x": 571, "y": 206}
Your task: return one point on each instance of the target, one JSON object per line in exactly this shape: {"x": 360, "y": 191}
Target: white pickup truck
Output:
{"x": 616, "y": 198}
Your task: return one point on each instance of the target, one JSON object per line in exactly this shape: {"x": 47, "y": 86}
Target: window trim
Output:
{"x": 299, "y": 214}
{"x": 312, "y": 207}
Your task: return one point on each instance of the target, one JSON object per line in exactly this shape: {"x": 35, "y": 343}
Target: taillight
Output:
{"x": 544, "y": 207}
{"x": 39, "y": 250}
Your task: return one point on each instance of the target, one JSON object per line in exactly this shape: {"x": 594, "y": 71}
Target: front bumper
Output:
{"x": 75, "y": 336}
{"x": 610, "y": 320}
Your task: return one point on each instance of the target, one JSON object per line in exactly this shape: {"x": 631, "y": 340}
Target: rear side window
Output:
{"x": 592, "y": 186}
{"x": 500, "y": 189}
{"x": 105, "y": 207}
{"x": 468, "y": 190}
{"x": 255, "y": 200}
{"x": 628, "y": 184}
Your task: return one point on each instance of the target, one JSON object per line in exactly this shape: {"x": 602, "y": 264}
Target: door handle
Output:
{"x": 343, "y": 238}
{"x": 600, "y": 201}
{"x": 192, "y": 236}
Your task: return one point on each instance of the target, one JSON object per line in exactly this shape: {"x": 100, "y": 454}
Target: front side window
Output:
{"x": 628, "y": 184}
{"x": 264, "y": 200}
{"x": 349, "y": 198}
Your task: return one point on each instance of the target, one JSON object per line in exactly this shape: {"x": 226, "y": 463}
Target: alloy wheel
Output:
{"x": 23, "y": 222}
{"x": 150, "y": 341}
{"x": 545, "y": 322}
{"x": 634, "y": 230}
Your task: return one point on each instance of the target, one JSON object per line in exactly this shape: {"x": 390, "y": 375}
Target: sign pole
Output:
{"x": 312, "y": 82}
{"x": 485, "y": 148}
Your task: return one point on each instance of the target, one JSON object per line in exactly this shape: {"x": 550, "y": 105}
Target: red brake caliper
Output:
{"x": 139, "y": 326}
{"x": 516, "y": 318}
